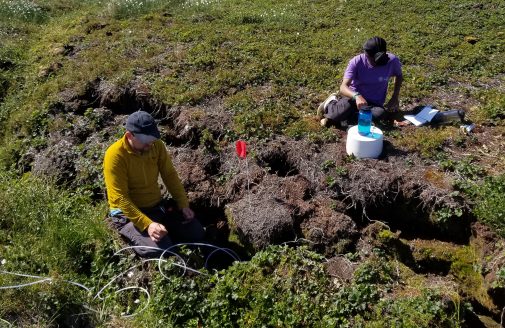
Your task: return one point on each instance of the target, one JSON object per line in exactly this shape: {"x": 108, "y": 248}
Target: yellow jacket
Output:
{"x": 131, "y": 179}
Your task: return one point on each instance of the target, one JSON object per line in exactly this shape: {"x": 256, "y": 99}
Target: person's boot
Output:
{"x": 321, "y": 110}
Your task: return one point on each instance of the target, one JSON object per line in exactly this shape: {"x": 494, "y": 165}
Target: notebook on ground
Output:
{"x": 423, "y": 117}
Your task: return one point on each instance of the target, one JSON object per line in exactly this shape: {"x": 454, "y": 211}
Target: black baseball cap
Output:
{"x": 376, "y": 47}
{"x": 143, "y": 124}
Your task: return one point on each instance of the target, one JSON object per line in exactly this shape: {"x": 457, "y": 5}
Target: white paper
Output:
{"x": 424, "y": 116}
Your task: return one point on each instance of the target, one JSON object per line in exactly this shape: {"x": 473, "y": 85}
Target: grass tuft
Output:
{"x": 22, "y": 10}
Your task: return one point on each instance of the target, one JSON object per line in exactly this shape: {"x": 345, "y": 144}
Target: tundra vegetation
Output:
{"x": 413, "y": 239}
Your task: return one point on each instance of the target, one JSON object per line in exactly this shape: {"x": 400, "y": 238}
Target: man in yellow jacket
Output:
{"x": 131, "y": 168}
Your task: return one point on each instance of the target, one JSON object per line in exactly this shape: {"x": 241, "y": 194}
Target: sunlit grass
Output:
{"x": 167, "y": 45}
{"x": 427, "y": 141}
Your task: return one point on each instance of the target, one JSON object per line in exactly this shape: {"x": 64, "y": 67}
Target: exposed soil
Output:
{"x": 284, "y": 192}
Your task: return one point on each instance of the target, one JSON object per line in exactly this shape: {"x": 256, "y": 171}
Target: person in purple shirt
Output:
{"x": 365, "y": 83}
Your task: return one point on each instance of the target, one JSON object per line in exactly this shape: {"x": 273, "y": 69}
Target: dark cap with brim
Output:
{"x": 142, "y": 123}
{"x": 375, "y": 45}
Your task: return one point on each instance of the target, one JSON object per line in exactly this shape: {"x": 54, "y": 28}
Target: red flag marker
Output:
{"x": 240, "y": 147}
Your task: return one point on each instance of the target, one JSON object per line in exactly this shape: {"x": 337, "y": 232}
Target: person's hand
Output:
{"x": 393, "y": 105}
{"x": 188, "y": 214}
{"x": 360, "y": 101}
{"x": 156, "y": 231}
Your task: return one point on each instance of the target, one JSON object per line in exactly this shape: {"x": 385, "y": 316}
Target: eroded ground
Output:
{"x": 304, "y": 190}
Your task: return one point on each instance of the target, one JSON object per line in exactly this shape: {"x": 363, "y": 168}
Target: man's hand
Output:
{"x": 188, "y": 214}
{"x": 360, "y": 101}
{"x": 156, "y": 231}
{"x": 393, "y": 104}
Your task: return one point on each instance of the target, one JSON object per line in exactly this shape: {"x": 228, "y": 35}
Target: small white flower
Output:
{"x": 130, "y": 274}
{"x": 137, "y": 301}
{"x": 3, "y": 261}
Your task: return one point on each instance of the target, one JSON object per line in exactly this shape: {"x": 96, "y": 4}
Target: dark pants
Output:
{"x": 178, "y": 232}
{"x": 345, "y": 109}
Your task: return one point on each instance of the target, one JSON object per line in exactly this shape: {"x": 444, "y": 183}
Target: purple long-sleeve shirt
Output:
{"x": 372, "y": 81}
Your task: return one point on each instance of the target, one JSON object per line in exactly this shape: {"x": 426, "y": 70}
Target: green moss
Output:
{"x": 386, "y": 236}
{"x": 425, "y": 250}
{"x": 234, "y": 236}
{"x": 467, "y": 270}
{"x": 229, "y": 218}
{"x": 208, "y": 142}
{"x": 464, "y": 266}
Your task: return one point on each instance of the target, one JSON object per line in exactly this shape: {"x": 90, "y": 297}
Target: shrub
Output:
{"x": 280, "y": 286}
{"x": 493, "y": 107}
{"x": 490, "y": 201}
{"x": 426, "y": 310}
{"x": 178, "y": 301}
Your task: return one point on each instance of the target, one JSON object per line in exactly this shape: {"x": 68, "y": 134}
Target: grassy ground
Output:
{"x": 297, "y": 49}
{"x": 269, "y": 63}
